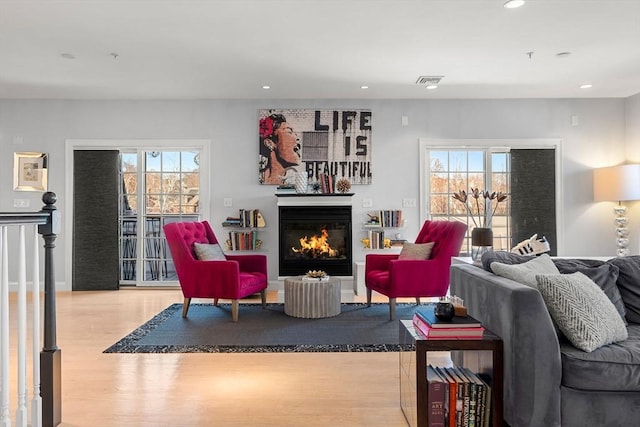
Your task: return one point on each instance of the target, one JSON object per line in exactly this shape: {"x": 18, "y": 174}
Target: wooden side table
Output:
{"x": 312, "y": 299}
{"x": 413, "y": 371}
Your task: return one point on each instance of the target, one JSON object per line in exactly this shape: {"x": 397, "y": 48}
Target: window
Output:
{"x": 451, "y": 169}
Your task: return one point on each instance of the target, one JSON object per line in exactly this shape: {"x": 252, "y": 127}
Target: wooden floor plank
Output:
{"x": 273, "y": 389}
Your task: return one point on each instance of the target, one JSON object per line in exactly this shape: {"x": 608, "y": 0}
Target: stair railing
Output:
{"x": 45, "y": 401}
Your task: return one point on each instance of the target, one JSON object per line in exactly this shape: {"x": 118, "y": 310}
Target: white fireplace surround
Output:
{"x": 310, "y": 200}
{"x": 348, "y": 294}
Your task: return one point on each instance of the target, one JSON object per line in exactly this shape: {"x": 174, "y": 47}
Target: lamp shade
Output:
{"x": 616, "y": 183}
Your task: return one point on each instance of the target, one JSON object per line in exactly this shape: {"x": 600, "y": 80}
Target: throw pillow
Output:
{"x": 605, "y": 276}
{"x": 502, "y": 257}
{"x": 581, "y": 310}
{"x": 568, "y": 265}
{"x": 525, "y": 273}
{"x": 209, "y": 252}
{"x": 629, "y": 284}
{"x": 420, "y": 251}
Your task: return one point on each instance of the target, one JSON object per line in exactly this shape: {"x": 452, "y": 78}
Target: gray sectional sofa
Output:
{"x": 547, "y": 381}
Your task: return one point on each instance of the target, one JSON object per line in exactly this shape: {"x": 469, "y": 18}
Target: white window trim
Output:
{"x": 426, "y": 144}
{"x": 201, "y": 145}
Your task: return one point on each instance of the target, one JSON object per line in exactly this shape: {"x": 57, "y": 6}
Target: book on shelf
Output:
{"x": 376, "y": 239}
{"x": 247, "y": 218}
{"x": 475, "y": 409}
{"x": 242, "y": 240}
{"x": 428, "y": 315}
{"x": 466, "y": 400}
{"x": 452, "y": 396}
{"x": 483, "y": 403}
{"x": 446, "y": 397}
{"x": 385, "y": 218}
{"x": 486, "y": 407}
{"x": 459, "y": 396}
{"x": 429, "y": 332}
{"x": 327, "y": 183}
{"x": 436, "y": 397}
{"x": 470, "y": 398}
{"x": 251, "y": 218}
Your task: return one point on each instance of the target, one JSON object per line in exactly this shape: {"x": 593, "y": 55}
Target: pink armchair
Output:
{"x": 393, "y": 277}
{"x": 234, "y": 278}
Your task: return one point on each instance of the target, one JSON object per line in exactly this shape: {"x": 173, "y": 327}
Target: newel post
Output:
{"x": 50, "y": 356}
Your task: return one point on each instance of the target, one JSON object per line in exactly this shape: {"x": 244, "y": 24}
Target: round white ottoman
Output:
{"x": 311, "y": 299}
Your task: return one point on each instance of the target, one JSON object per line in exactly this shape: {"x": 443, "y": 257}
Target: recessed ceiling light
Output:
{"x": 266, "y": 87}
{"x": 67, "y": 56}
{"x": 586, "y": 86}
{"x": 364, "y": 87}
{"x": 432, "y": 87}
{"x": 512, "y": 4}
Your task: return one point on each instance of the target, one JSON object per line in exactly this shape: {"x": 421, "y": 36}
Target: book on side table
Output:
{"x": 428, "y": 316}
{"x": 430, "y": 326}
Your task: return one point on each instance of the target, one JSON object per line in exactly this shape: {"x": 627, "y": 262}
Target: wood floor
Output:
{"x": 306, "y": 389}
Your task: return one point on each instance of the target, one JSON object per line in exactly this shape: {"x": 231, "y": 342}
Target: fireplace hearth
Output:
{"x": 315, "y": 238}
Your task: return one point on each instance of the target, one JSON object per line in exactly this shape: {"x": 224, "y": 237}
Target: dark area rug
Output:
{"x": 209, "y": 329}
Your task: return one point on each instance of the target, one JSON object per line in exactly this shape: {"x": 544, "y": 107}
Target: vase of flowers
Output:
{"x": 481, "y": 207}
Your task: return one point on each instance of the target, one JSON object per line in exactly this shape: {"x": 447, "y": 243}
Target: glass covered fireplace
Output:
{"x": 315, "y": 238}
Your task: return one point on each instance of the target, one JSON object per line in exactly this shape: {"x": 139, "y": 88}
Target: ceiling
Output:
{"x": 315, "y": 49}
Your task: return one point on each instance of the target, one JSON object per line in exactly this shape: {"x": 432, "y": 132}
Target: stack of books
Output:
{"x": 457, "y": 397}
{"x": 286, "y": 189}
{"x": 243, "y": 241}
{"x": 250, "y": 218}
{"x": 425, "y": 321}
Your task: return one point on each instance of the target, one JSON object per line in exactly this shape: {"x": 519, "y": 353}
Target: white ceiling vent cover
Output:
{"x": 429, "y": 80}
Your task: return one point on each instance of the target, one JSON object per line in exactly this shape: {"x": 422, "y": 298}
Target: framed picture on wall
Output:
{"x": 322, "y": 146}
{"x": 29, "y": 171}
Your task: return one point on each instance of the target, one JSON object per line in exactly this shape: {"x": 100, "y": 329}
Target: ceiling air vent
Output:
{"x": 429, "y": 80}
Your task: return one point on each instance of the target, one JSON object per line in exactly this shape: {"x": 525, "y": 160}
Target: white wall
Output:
{"x": 231, "y": 125}
{"x": 632, "y": 146}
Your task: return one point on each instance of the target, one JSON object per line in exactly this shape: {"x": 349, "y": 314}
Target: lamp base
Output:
{"x": 621, "y": 220}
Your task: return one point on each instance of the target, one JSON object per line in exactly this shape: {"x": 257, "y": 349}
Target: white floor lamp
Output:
{"x": 618, "y": 184}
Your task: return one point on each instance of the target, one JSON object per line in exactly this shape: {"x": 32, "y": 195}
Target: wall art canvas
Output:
{"x": 327, "y": 144}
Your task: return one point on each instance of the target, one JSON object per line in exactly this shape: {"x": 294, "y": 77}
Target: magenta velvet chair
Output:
{"x": 234, "y": 278}
{"x": 393, "y": 277}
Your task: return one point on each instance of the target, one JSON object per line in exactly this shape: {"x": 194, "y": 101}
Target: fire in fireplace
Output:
{"x": 315, "y": 238}
{"x": 316, "y": 246}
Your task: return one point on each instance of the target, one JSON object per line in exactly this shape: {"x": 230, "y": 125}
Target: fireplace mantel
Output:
{"x": 314, "y": 199}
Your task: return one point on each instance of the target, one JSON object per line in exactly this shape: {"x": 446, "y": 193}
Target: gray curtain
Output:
{"x": 533, "y": 195}
{"x": 95, "y": 262}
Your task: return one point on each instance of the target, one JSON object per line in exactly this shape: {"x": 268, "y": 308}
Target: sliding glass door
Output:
{"x": 156, "y": 187}
{"x": 451, "y": 169}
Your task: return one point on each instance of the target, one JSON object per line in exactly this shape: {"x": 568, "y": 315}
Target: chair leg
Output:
{"x": 215, "y": 301}
{"x": 185, "y": 306}
{"x": 263, "y": 297}
{"x": 392, "y": 308}
{"x": 417, "y": 300}
{"x": 368, "y": 297}
{"x": 234, "y": 310}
